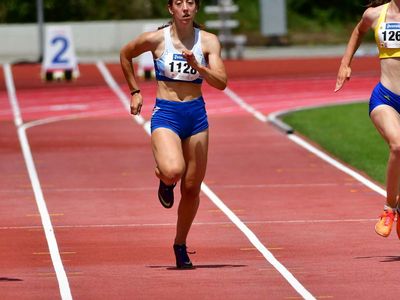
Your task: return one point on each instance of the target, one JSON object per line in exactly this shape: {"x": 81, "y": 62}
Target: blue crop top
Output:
{"x": 172, "y": 66}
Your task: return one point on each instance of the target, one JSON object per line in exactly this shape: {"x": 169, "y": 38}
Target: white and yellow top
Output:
{"x": 387, "y": 36}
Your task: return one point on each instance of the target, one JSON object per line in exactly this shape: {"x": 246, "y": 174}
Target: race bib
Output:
{"x": 389, "y": 35}
{"x": 176, "y": 67}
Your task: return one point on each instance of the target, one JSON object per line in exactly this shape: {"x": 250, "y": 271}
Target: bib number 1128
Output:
{"x": 181, "y": 67}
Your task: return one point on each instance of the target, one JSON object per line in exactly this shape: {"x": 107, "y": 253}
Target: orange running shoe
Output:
{"x": 384, "y": 225}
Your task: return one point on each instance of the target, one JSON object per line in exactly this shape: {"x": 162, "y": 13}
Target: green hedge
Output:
{"x": 24, "y": 11}
{"x": 308, "y": 20}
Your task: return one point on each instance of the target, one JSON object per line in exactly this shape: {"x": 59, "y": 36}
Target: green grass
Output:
{"x": 346, "y": 132}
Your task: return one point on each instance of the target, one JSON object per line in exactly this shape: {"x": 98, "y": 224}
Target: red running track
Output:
{"x": 96, "y": 172}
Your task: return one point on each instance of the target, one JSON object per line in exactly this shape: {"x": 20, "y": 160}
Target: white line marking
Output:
{"x": 41, "y": 204}
{"x": 244, "y": 105}
{"x": 284, "y": 185}
{"x": 61, "y": 107}
{"x": 257, "y": 243}
{"x": 48, "y": 120}
{"x": 289, "y": 222}
{"x": 89, "y": 190}
{"x": 152, "y": 188}
{"x": 214, "y": 198}
{"x": 337, "y": 164}
{"x": 274, "y": 118}
{"x": 309, "y": 147}
{"x": 121, "y": 95}
{"x": 267, "y": 254}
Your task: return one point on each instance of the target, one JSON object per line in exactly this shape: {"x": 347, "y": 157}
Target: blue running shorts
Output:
{"x": 185, "y": 118}
{"x": 381, "y": 95}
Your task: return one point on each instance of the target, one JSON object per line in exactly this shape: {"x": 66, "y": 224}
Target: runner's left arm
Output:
{"x": 214, "y": 73}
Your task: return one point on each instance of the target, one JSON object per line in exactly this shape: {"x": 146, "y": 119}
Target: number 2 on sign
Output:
{"x": 58, "y": 59}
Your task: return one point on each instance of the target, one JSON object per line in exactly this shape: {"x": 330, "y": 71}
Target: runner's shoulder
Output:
{"x": 371, "y": 14}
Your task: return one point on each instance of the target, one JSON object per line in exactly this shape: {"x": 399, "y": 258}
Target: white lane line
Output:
{"x": 274, "y": 117}
{"x": 257, "y": 243}
{"x": 284, "y": 185}
{"x": 48, "y": 120}
{"x": 62, "y": 279}
{"x": 235, "y": 98}
{"x": 121, "y": 95}
{"x": 289, "y": 222}
{"x": 214, "y": 198}
{"x": 151, "y": 188}
{"x": 337, "y": 164}
{"x": 301, "y": 142}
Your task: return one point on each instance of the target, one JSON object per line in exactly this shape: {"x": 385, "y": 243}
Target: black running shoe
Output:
{"x": 182, "y": 258}
{"x": 166, "y": 194}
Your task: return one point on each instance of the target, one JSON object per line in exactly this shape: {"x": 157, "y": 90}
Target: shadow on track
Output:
{"x": 199, "y": 267}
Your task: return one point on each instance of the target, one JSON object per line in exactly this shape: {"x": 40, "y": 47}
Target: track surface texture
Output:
{"x": 301, "y": 228}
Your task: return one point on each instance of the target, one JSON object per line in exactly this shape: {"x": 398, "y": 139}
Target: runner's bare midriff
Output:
{"x": 390, "y": 74}
{"x": 178, "y": 91}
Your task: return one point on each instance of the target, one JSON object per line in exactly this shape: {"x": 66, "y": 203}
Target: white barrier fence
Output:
{"x": 92, "y": 39}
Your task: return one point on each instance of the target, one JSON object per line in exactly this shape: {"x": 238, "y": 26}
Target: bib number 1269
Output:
{"x": 391, "y": 35}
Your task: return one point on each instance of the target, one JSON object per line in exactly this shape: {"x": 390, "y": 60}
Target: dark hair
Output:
{"x": 170, "y": 22}
{"x": 196, "y": 1}
{"x": 375, "y": 3}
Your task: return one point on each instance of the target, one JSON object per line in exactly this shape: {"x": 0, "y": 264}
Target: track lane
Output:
{"x": 90, "y": 256}
{"x": 316, "y": 217}
{"x": 26, "y": 268}
{"x": 77, "y": 160}
{"x": 316, "y": 170}
{"x": 299, "y": 288}
{"x": 341, "y": 201}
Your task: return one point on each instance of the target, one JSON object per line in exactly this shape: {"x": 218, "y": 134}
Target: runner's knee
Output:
{"x": 173, "y": 173}
{"x": 395, "y": 149}
{"x": 190, "y": 189}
